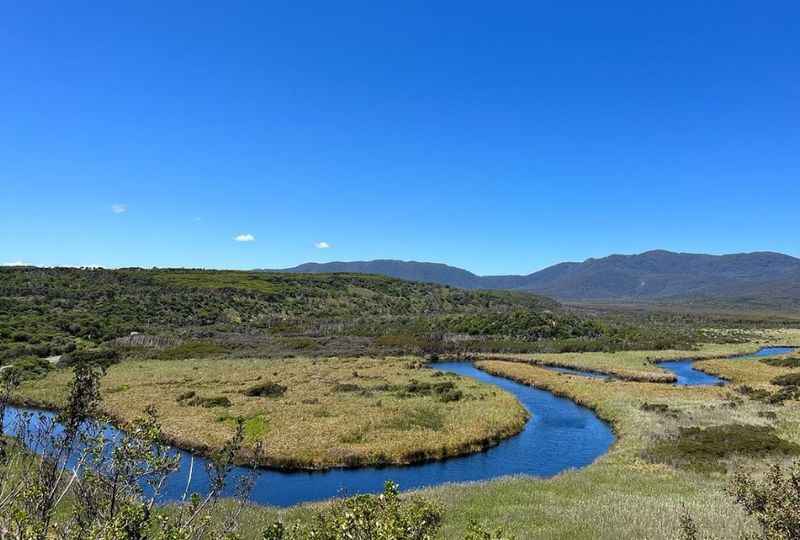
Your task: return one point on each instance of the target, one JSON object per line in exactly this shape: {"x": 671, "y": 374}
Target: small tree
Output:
{"x": 772, "y": 500}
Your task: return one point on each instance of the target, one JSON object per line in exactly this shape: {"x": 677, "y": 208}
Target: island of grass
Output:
{"x": 305, "y": 413}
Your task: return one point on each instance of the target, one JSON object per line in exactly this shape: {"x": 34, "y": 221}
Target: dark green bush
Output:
{"x": 30, "y": 367}
{"x": 208, "y": 402}
{"x": 100, "y": 357}
{"x": 790, "y": 379}
{"x": 347, "y": 387}
{"x": 367, "y": 517}
{"x": 783, "y": 361}
{"x": 266, "y": 389}
{"x": 704, "y": 449}
{"x": 654, "y": 407}
{"x": 186, "y": 395}
{"x": 443, "y": 391}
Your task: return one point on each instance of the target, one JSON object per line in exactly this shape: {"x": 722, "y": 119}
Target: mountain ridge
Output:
{"x": 655, "y": 275}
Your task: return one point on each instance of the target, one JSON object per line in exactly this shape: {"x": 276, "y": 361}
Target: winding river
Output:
{"x": 560, "y": 435}
{"x": 687, "y": 375}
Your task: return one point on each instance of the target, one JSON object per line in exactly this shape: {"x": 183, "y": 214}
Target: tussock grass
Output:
{"x": 307, "y": 413}
{"x": 626, "y": 493}
{"x": 704, "y": 449}
{"x": 640, "y": 366}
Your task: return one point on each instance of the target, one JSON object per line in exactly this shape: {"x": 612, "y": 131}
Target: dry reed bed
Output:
{"x": 640, "y": 366}
{"x": 332, "y": 413}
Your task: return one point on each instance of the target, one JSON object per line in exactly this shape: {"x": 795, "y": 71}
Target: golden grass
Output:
{"x": 640, "y": 365}
{"x": 336, "y": 412}
{"x": 624, "y": 494}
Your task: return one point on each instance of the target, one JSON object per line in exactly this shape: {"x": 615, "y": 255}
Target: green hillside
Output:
{"x": 49, "y": 311}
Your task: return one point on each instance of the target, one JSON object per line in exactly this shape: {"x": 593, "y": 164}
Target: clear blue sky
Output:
{"x": 496, "y": 136}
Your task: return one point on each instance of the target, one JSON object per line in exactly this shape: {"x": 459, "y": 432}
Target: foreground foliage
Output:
{"x": 367, "y": 517}
{"x": 773, "y": 501}
{"x": 61, "y": 478}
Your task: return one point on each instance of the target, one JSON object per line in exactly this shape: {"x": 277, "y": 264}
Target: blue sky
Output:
{"x": 497, "y": 136}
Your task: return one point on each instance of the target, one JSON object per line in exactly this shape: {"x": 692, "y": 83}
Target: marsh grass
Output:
{"x": 706, "y": 449}
{"x": 307, "y": 413}
{"x": 641, "y": 366}
{"x": 627, "y": 493}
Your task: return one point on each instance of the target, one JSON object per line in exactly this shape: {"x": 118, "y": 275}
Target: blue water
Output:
{"x": 560, "y": 435}
{"x": 689, "y": 376}
{"x": 578, "y": 372}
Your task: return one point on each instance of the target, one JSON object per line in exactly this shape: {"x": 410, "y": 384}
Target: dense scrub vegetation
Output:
{"x": 196, "y": 313}
{"x": 54, "y": 311}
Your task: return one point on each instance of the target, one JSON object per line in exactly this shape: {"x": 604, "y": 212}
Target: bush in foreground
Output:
{"x": 772, "y": 501}
{"x": 62, "y": 478}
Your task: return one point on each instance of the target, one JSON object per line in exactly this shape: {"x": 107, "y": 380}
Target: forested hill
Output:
{"x": 50, "y": 310}
{"x": 409, "y": 270}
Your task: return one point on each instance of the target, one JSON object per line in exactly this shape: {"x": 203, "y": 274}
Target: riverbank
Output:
{"x": 639, "y": 488}
{"x": 642, "y": 366}
{"x": 561, "y": 436}
{"x": 306, "y": 413}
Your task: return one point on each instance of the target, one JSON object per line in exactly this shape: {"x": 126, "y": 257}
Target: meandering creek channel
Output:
{"x": 560, "y": 435}
{"x": 687, "y": 375}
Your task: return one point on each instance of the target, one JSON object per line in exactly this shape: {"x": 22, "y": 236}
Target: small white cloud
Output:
{"x": 245, "y": 238}
{"x": 119, "y": 208}
{"x": 16, "y": 263}
{"x": 322, "y": 245}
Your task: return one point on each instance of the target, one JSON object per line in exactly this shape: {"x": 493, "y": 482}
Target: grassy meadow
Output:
{"x": 306, "y": 413}
{"x": 675, "y": 450}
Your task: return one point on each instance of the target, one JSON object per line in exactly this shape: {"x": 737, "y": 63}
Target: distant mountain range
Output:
{"x": 653, "y": 276}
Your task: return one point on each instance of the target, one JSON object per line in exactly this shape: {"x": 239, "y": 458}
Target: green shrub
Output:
{"x": 772, "y": 501}
{"x": 101, "y": 357}
{"x": 189, "y": 394}
{"x": 208, "y": 402}
{"x": 347, "y": 387}
{"x": 373, "y": 517}
{"x": 790, "y": 379}
{"x": 765, "y": 396}
{"x": 704, "y": 449}
{"x": 266, "y": 389}
{"x": 783, "y": 361}
{"x": 30, "y": 367}
{"x": 444, "y": 391}
{"x": 654, "y": 407}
